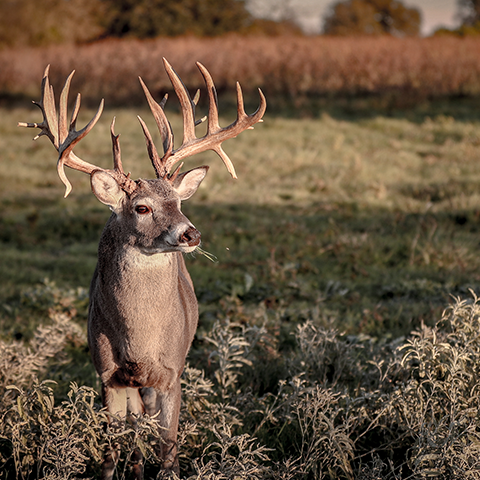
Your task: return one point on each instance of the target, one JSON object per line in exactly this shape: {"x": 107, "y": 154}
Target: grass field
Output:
{"x": 372, "y": 222}
{"x": 342, "y": 235}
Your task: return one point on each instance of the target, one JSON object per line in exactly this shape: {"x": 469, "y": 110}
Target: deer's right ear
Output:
{"x": 106, "y": 189}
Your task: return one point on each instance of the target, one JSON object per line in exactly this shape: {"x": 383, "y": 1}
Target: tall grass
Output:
{"x": 290, "y": 67}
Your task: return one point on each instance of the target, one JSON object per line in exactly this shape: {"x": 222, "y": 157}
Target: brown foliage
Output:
{"x": 55, "y": 21}
{"x": 296, "y": 67}
{"x": 372, "y": 17}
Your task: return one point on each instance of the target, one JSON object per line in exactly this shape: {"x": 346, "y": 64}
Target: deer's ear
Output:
{"x": 186, "y": 184}
{"x": 106, "y": 189}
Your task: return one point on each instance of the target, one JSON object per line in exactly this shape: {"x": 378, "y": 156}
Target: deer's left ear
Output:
{"x": 186, "y": 184}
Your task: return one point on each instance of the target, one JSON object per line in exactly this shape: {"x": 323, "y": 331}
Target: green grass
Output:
{"x": 371, "y": 222}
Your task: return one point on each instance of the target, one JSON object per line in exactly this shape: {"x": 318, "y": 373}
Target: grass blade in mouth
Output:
{"x": 210, "y": 256}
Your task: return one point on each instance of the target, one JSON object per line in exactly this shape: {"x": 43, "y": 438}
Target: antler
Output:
{"x": 191, "y": 145}
{"x": 64, "y": 136}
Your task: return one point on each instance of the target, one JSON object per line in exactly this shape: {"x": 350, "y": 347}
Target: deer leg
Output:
{"x": 167, "y": 405}
{"x": 115, "y": 400}
{"x": 135, "y": 406}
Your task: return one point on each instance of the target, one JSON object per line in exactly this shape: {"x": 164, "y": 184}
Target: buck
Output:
{"x": 143, "y": 312}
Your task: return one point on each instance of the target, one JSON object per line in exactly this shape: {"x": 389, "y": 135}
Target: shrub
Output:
{"x": 344, "y": 407}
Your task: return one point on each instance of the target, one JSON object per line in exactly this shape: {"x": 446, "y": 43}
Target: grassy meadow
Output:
{"x": 323, "y": 348}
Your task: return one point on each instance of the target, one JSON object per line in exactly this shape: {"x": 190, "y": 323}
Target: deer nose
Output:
{"x": 191, "y": 236}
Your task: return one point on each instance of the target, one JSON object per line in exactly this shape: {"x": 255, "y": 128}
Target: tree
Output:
{"x": 469, "y": 12}
{"x": 151, "y": 18}
{"x": 360, "y": 17}
{"x": 26, "y": 22}
{"x": 22, "y": 22}
{"x": 469, "y": 15}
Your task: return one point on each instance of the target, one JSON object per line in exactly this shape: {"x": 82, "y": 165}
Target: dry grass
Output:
{"x": 286, "y": 66}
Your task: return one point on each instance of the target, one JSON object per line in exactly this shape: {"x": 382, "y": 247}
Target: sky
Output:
{"x": 435, "y": 13}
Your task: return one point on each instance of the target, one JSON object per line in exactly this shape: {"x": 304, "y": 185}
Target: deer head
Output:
{"x": 133, "y": 199}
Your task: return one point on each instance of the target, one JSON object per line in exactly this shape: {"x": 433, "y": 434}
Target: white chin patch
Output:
{"x": 188, "y": 249}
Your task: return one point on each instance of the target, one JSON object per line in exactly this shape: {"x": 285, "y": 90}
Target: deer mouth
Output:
{"x": 190, "y": 246}
{"x": 185, "y": 241}
{"x": 185, "y": 247}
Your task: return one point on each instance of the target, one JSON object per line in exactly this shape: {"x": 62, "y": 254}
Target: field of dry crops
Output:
{"x": 292, "y": 67}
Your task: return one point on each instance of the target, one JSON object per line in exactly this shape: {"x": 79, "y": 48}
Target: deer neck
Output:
{"x": 128, "y": 267}
{"x": 135, "y": 284}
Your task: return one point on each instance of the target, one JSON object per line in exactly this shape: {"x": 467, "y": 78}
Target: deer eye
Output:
{"x": 142, "y": 209}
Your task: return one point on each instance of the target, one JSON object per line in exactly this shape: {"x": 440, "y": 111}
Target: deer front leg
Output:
{"x": 167, "y": 405}
{"x": 115, "y": 401}
{"x": 118, "y": 402}
{"x": 135, "y": 406}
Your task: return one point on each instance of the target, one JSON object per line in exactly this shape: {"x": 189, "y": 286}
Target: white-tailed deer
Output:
{"x": 143, "y": 312}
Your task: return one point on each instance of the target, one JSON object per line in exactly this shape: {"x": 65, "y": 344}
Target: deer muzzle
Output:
{"x": 191, "y": 237}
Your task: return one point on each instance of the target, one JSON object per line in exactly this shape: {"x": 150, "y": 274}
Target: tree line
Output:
{"x": 26, "y": 22}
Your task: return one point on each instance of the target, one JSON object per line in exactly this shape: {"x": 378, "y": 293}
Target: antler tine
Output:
{"x": 49, "y": 118}
{"x": 186, "y": 103}
{"x": 157, "y": 163}
{"x": 213, "y": 127}
{"x": 76, "y": 109}
{"x": 123, "y": 179}
{"x": 195, "y": 100}
{"x": 164, "y": 128}
{"x": 47, "y": 105}
{"x": 117, "y": 159}
{"x": 160, "y": 118}
{"x": 63, "y": 128}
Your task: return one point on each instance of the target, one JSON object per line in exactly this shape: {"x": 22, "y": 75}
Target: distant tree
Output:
{"x": 28, "y": 22}
{"x": 356, "y": 17}
{"x": 469, "y": 15}
{"x": 151, "y": 18}
{"x": 469, "y": 11}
